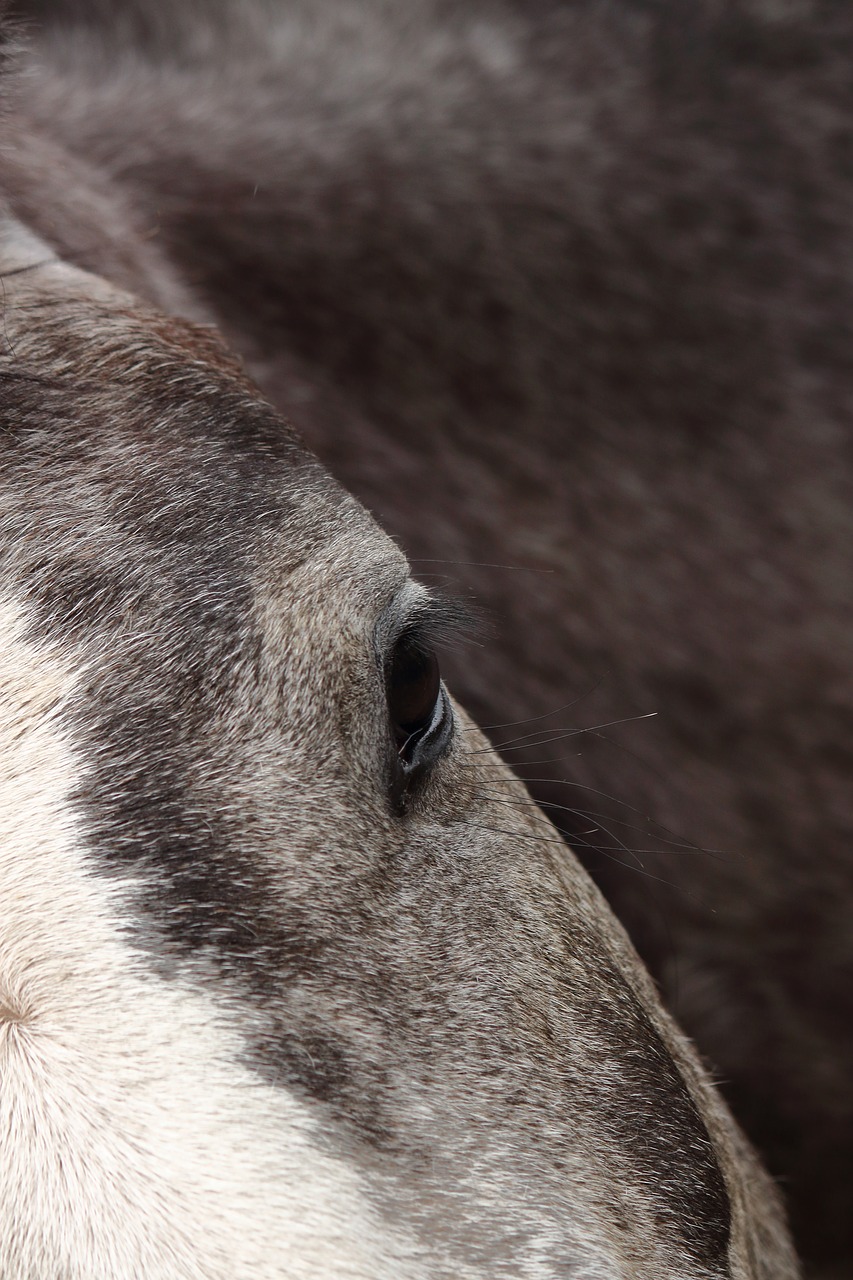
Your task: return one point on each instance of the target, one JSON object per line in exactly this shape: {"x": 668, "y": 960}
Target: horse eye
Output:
{"x": 418, "y": 708}
{"x": 414, "y": 684}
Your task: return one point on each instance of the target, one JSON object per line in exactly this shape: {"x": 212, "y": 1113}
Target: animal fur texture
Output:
{"x": 560, "y": 291}
{"x": 257, "y": 1021}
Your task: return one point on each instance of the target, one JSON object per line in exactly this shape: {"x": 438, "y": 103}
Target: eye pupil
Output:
{"x": 420, "y": 715}
{"x": 414, "y": 685}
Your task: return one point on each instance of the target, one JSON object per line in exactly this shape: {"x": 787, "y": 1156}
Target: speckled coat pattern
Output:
{"x": 559, "y": 291}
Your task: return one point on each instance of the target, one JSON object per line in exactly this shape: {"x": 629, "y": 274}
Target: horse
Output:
{"x": 343, "y": 1000}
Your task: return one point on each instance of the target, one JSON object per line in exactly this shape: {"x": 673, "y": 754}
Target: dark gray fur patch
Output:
{"x": 660, "y": 1126}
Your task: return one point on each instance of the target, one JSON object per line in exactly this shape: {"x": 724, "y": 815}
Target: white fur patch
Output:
{"x": 132, "y": 1140}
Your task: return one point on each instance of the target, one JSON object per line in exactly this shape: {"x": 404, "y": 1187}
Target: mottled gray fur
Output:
{"x": 560, "y": 287}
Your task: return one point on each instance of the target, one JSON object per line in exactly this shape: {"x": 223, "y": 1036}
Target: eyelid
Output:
{"x": 395, "y": 615}
{"x": 426, "y": 619}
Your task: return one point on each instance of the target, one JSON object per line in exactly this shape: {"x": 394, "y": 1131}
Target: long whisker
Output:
{"x": 675, "y": 845}
{"x": 511, "y": 724}
{"x": 606, "y": 853}
{"x": 545, "y": 737}
{"x": 500, "y": 780}
{"x": 484, "y": 564}
{"x": 577, "y": 838}
{"x": 581, "y": 786}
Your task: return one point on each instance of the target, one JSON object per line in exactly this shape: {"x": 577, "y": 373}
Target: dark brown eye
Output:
{"x": 418, "y": 708}
{"x": 413, "y": 687}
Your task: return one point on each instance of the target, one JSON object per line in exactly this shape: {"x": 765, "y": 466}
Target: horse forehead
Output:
{"x": 102, "y": 391}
